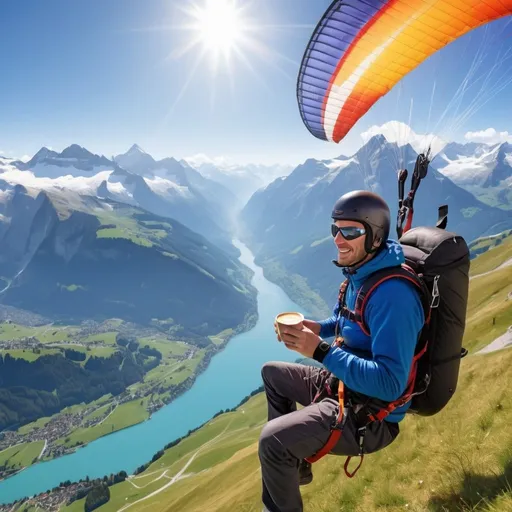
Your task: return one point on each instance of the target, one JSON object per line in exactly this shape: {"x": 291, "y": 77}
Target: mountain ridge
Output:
{"x": 110, "y": 240}
{"x": 184, "y": 194}
{"x": 287, "y": 223}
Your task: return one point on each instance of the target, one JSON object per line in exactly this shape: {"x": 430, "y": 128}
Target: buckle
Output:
{"x": 435, "y": 293}
{"x": 362, "y": 432}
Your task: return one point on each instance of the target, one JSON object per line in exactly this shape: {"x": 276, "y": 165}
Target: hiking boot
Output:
{"x": 305, "y": 473}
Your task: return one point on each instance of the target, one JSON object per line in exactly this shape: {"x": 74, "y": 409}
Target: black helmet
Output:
{"x": 370, "y": 210}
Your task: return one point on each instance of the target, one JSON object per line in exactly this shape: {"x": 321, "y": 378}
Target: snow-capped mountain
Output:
{"x": 158, "y": 173}
{"x": 74, "y": 160}
{"x": 476, "y": 164}
{"x": 289, "y": 219}
{"x": 136, "y": 160}
{"x": 242, "y": 180}
{"x": 166, "y": 188}
{"x": 484, "y": 170}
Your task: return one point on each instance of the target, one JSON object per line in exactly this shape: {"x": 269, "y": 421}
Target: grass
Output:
{"x": 27, "y": 354}
{"x": 31, "y": 356}
{"x": 44, "y": 333}
{"x": 21, "y": 455}
{"x": 144, "y": 233}
{"x": 489, "y": 309}
{"x": 220, "y": 338}
{"x": 14, "y": 332}
{"x": 39, "y": 423}
{"x": 125, "y": 415}
{"x": 119, "y": 233}
{"x": 493, "y": 258}
{"x": 108, "y": 338}
{"x": 458, "y": 460}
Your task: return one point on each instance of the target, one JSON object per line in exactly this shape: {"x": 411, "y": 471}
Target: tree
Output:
{"x": 96, "y": 497}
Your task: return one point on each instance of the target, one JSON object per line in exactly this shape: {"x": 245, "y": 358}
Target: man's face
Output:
{"x": 350, "y": 251}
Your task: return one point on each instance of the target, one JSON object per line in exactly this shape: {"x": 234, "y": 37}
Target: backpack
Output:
{"x": 437, "y": 263}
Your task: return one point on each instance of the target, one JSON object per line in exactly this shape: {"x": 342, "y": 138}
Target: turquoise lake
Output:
{"x": 231, "y": 375}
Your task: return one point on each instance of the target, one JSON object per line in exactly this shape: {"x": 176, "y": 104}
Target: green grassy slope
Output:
{"x": 459, "y": 460}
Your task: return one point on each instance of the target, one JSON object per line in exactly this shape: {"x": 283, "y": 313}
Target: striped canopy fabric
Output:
{"x": 361, "y": 48}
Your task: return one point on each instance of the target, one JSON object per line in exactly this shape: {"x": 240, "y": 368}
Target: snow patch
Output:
{"x": 470, "y": 170}
{"x": 166, "y": 188}
{"x": 80, "y": 184}
{"x": 338, "y": 164}
{"x": 56, "y": 172}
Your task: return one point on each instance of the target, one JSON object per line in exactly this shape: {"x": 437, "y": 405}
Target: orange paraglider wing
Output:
{"x": 361, "y": 48}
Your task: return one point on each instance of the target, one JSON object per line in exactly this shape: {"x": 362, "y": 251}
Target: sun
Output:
{"x": 218, "y": 27}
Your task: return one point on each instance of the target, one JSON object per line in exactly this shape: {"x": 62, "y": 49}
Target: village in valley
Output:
{"x": 74, "y": 426}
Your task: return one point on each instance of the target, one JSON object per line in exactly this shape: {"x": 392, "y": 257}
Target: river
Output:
{"x": 231, "y": 375}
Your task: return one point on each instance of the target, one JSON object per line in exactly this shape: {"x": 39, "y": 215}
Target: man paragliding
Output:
{"x": 399, "y": 320}
{"x": 395, "y": 317}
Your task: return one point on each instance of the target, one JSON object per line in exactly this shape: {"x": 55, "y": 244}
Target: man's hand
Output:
{"x": 310, "y": 324}
{"x": 302, "y": 340}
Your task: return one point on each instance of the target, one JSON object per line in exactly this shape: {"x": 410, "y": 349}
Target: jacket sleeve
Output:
{"x": 394, "y": 315}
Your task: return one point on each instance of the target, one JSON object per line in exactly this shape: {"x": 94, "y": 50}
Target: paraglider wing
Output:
{"x": 361, "y": 48}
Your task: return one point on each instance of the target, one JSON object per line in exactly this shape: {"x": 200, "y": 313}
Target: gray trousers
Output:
{"x": 291, "y": 435}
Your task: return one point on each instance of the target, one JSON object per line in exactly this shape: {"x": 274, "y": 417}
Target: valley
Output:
{"x": 112, "y": 309}
{"x": 456, "y": 460}
{"x": 173, "y": 366}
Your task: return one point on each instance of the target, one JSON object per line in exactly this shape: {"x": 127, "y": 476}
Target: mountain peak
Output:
{"x": 136, "y": 160}
{"x": 135, "y": 149}
{"x": 43, "y": 153}
{"x": 76, "y": 151}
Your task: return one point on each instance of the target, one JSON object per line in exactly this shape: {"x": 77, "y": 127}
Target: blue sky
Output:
{"x": 106, "y": 74}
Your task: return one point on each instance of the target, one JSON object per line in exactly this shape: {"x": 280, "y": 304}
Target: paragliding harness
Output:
{"x": 430, "y": 253}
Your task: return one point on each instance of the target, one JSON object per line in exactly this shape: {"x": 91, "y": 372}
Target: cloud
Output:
{"x": 402, "y": 134}
{"x": 489, "y": 136}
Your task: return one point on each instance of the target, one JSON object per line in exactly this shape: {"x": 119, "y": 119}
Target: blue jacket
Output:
{"x": 378, "y": 365}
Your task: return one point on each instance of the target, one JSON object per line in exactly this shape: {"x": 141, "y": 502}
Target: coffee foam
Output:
{"x": 290, "y": 318}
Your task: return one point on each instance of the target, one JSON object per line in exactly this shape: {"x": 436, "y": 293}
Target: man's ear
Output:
{"x": 377, "y": 243}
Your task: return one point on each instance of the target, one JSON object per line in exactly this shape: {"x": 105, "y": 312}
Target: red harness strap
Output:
{"x": 335, "y": 432}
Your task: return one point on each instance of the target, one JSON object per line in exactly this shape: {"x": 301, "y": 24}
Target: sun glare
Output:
{"x": 219, "y": 25}
{"x": 218, "y": 35}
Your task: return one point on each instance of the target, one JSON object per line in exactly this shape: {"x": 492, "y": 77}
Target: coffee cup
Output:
{"x": 289, "y": 318}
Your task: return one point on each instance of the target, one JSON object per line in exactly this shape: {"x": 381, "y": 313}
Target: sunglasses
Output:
{"x": 348, "y": 232}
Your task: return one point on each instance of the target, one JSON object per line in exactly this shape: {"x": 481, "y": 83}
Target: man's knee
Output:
{"x": 269, "y": 370}
{"x": 268, "y": 441}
